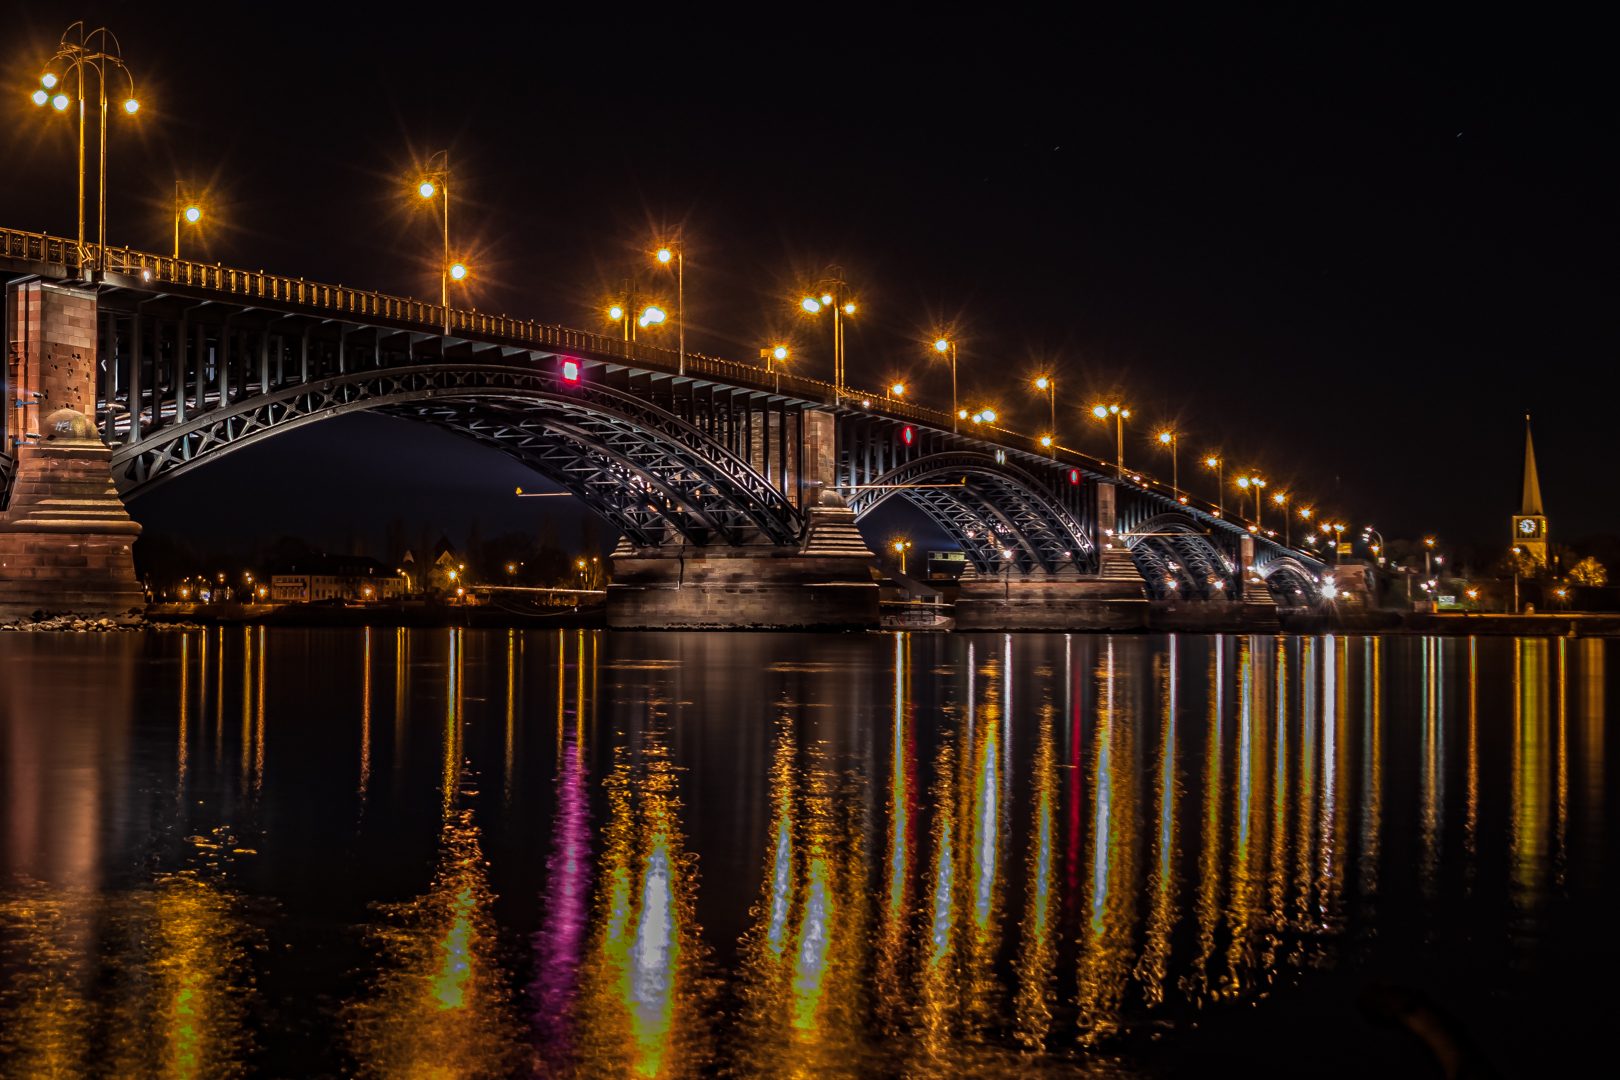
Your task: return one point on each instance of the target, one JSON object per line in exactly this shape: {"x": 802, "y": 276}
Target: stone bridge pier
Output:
{"x": 65, "y": 539}
{"x": 822, "y": 583}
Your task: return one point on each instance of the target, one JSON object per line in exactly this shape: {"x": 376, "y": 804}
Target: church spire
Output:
{"x": 1532, "y": 483}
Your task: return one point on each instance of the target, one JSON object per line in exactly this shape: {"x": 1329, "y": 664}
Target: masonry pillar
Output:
{"x": 824, "y": 583}
{"x": 65, "y": 538}
{"x": 1114, "y": 561}
{"x": 1114, "y": 599}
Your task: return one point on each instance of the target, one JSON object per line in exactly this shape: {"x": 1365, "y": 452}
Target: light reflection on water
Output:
{"x": 663, "y": 855}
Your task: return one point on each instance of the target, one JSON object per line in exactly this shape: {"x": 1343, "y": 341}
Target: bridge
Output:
{"x": 736, "y": 489}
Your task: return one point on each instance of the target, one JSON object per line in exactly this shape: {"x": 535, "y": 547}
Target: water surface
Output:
{"x": 453, "y": 853}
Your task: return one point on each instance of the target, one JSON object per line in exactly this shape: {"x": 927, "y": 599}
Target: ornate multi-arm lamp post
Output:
{"x": 834, "y": 293}
{"x": 678, "y": 253}
{"x": 1047, "y": 384}
{"x": 438, "y": 183}
{"x": 1120, "y": 415}
{"x": 73, "y": 59}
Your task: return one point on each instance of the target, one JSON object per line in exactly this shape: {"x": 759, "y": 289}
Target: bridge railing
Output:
{"x": 408, "y": 313}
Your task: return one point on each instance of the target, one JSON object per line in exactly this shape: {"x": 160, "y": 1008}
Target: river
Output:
{"x": 467, "y": 853}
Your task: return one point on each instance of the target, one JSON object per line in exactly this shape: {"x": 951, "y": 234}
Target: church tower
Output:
{"x": 1530, "y": 524}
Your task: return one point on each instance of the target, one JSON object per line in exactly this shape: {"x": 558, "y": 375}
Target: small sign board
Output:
{"x": 1344, "y": 548}
{"x": 1448, "y": 601}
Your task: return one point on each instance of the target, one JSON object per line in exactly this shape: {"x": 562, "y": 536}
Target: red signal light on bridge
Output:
{"x": 908, "y": 435}
{"x": 570, "y": 371}
{"x": 1074, "y": 476}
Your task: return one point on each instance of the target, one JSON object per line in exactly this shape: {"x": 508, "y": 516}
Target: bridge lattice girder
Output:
{"x": 1177, "y": 549}
{"x": 997, "y": 507}
{"x": 640, "y": 466}
{"x": 1292, "y": 583}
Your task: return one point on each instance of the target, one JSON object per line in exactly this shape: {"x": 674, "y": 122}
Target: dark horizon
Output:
{"x": 1350, "y": 255}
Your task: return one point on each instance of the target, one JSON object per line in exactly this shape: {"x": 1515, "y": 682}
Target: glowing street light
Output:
{"x": 774, "y": 355}
{"x": 76, "y": 58}
{"x": 1281, "y": 499}
{"x": 438, "y": 184}
{"x": 1048, "y": 385}
{"x": 944, "y": 345}
{"x": 900, "y": 547}
{"x": 835, "y": 295}
{"x": 898, "y": 389}
{"x": 664, "y": 255}
{"x": 1171, "y": 439}
{"x": 1120, "y": 415}
{"x": 1216, "y": 463}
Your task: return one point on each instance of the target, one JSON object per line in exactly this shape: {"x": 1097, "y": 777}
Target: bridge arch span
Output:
{"x": 987, "y": 506}
{"x": 1176, "y": 558}
{"x": 652, "y": 474}
{"x": 1291, "y": 582}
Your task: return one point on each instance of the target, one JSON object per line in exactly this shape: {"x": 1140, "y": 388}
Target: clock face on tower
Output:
{"x": 1529, "y": 528}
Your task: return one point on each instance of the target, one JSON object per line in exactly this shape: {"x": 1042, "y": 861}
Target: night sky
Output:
{"x": 1349, "y": 251}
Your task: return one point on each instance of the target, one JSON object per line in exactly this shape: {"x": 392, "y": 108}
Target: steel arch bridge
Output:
{"x": 194, "y": 361}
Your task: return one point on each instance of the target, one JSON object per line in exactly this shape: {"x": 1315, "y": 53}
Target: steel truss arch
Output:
{"x": 999, "y": 507}
{"x": 642, "y": 467}
{"x": 1177, "y": 550}
{"x": 1291, "y": 582}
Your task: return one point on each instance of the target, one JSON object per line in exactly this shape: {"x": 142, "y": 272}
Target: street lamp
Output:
{"x": 191, "y": 213}
{"x": 833, "y": 293}
{"x": 773, "y": 355}
{"x": 898, "y": 389}
{"x": 945, "y": 346}
{"x": 74, "y": 58}
{"x": 1281, "y": 499}
{"x": 1219, "y": 466}
{"x": 1120, "y": 415}
{"x": 1170, "y": 439}
{"x": 900, "y": 547}
{"x": 438, "y": 184}
{"x": 1048, "y": 383}
{"x": 677, "y": 252}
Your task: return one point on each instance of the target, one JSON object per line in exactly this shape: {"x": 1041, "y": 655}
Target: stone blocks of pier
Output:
{"x": 66, "y": 540}
{"x": 824, "y": 584}
{"x": 1051, "y": 602}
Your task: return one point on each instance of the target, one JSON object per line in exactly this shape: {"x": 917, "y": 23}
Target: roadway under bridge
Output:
{"x": 736, "y": 490}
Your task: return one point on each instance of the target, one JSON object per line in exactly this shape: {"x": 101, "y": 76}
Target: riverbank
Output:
{"x": 408, "y": 614}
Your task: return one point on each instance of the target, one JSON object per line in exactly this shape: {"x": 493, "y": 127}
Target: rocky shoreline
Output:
{"x": 90, "y": 624}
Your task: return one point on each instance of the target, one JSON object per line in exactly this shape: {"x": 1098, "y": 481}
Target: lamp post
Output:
{"x": 1428, "y": 552}
{"x": 192, "y": 214}
{"x": 834, "y": 293}
{"x": 75, "y": 58}
{"x": 772, "y": 355}
{"x": 678, "y": 253}
{"x": 945, "y": 346}
{"x": 438, "y": 183}
{"x": 1170, "y": 439}
{"x": 1048, "y": 384}
{"x": 1120, "y": 415}
{"x": 1220, "y": 483}
{"x": 900, "y": 547}
{"x": 1281, "y": 499}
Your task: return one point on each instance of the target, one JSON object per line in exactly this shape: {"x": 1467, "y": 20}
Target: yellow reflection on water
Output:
{"x": 1037, "y": 954}
{"x": 365, "y": 716}
{"x": 178, "y": 994}
{"x": 1197, "y": 983}
{"x": 897, "y": 885}
{"x": 439, "y": 1005}
{"x": 1249, "y": 818}
{"x": 1531, "y": 808}
{"x": 1590, "y": 658}
{"x": 1106, "y": 940}
{"x": 1163, "y": 883}
{"x": 639, "y": 1000}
